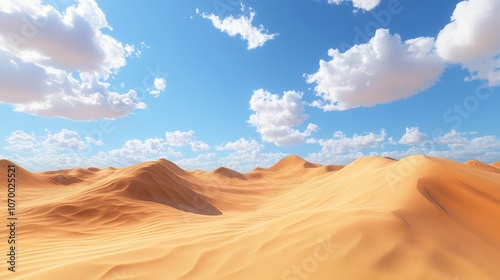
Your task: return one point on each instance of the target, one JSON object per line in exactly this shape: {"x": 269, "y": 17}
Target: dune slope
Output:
{"x": 376, "y": 218}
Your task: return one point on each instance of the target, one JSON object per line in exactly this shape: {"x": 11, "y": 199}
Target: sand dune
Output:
{"x": 496, "y": 164}
{"x": 481, "y": 165}
{"x": 376, "y": 218}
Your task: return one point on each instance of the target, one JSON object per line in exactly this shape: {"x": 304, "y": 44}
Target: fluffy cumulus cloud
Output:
{"x": 198, "y": 146}
{"x": 68, "y": 149}
{"x": 65, "y": 139}
{"x": 383, "y": 70}
{"x": 341, "y": 149}
{"x": 247, "y": 161}
{"x": 256, "y": 36}
{"x": 460, "y": 146}
{"x": 366, "y": 5}
{"x": 179, "y": 138}
{"x": 466, "y": 145}
{"x": 471, "y": 39}
{"x": 245, "y": 155}
{"x": 413, "y": 137}
{"x": 135, "y": 151}
{"x": 160, "y": 85}
{"x": 56, "y": 64}
{"x": 241, "y": 145}
{"x": 183, "y": 138}
{"x": 452, "y": 137}
{"x": 275, "y": 117}
{"x": 340, "y": 143}
{"x": 21, "y": 141}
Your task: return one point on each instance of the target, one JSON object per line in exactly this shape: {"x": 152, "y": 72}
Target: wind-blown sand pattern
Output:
{"x": 376, "y": 218}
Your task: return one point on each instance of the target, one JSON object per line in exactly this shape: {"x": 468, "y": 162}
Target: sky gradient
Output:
{"x": 243, "y": 84}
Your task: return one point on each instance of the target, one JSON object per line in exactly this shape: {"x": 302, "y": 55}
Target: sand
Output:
{"x": 494, "y": 167}
{"x": 376, "y": 218}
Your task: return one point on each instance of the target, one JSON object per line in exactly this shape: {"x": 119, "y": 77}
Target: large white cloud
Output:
{"x": 246, "y": 161}
{"x": 69, "y": 149}
{"x": 183, "y": 138}
{"x": 452, "y": 137}
{"x": 242, "y": 26}
{"x": 366, "y": 5}
{"x": 135, "y": 151}
{"x": 471, "y": 39}
{"x": 275, "y": 117}
{"x": 241, "y": 145}
{"x": 453, "y": 145}
{"x": 462, "y": 144}
{"x": 56, "y": 65}
{"x": 198, "y": 146}
{"x": 383, "y": 70}
{"x": 202, "y": 161}
{"x": 21, "y": 141}
{"x": 246, "y": 155}
{"x": 341, "y": 149}
{"x": 63, "y": 150}
{"x": 65, "y": 139}
{"x": 413, "y": 136}
{"x": 340, "y": 143}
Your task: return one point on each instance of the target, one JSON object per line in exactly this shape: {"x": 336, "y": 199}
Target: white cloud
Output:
{"x": 135, "y": 151}
{"x": 462, "y": 144}
{"x": 56, "y": 65}
{"x": 132, "y": 152}
{"x": 246, "y": 155}
{"x": 183, "y": 138}
{"x": 451, "y": 138}
{"x": 341, "y": 149}
{"x": 380, "y": 71}
{"x": 202, "y": 161}
{"x": 21, "y": 141}
{"x": 366, "y": 5}
{"x": 459, "y": 146}
{"x": 456, "y": 145}
{"x": 275, "y": 117}
{"x": 65, "y": 149}
{"x": 160, "y": 86}
{"x": 340, "y": 143}
{"x": 65, "y": 139}
{"x": 413, "y": 137}
{"x": 471, "y": 39}
{"x": 246, "y": 161}
{"x": 92, "y": 141}
{"x": 241, "y": 145}
{"x": 242, "y": 26}
{"x": 198, "y": 146}
{"x": 179, "y": 138}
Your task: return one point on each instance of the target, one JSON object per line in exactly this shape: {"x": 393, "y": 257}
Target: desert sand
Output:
{"x": 376, "y": 218}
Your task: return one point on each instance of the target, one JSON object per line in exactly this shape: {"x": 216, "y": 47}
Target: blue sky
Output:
{"x": 243, "y": 84}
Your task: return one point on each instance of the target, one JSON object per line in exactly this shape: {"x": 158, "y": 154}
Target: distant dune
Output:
{"x": 481, "y": 165}
{"x": 376, "y": 218}
{"x": 496, "y": 164}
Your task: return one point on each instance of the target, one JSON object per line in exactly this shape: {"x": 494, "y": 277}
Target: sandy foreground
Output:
{"x": 376, "y": 218}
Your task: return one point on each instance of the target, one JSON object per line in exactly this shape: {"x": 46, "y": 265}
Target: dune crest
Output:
{"x": 377, "y": 218}
{"x": 292, "y": 162}
{"x": 483, "y": 166}
{"x": 228, "y": 173}
{"x": 496, "y": 164}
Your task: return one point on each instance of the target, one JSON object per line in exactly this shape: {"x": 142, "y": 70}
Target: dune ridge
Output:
{"x": 376, "y": 218}
{"x": 496, "y": 164}
{"x": 483, "y": 166}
